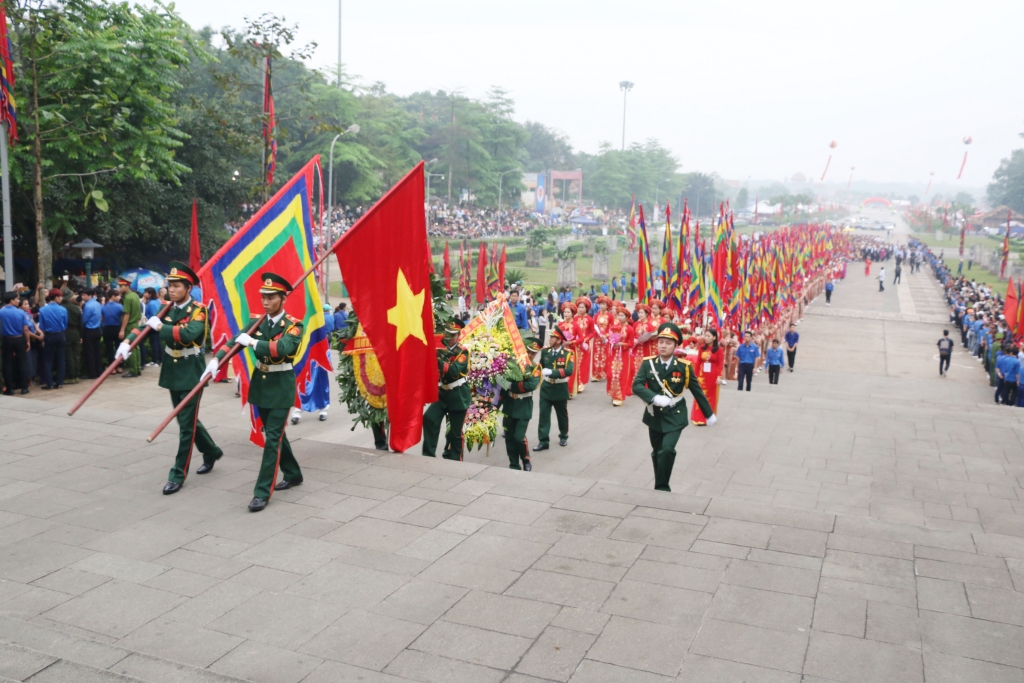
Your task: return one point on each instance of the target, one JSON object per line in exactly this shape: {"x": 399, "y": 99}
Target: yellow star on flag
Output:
{"x": 407, "y": 313}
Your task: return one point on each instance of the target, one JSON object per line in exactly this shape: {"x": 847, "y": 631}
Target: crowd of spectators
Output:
{"x": 976, "y": 312}
{"x": 464, "y": 222}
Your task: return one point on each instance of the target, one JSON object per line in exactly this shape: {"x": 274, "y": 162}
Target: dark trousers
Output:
{"x": 73, "y": 354}
{"x": 453, "y": 441}
{"x": 1000, "y": 389}
{"x": 52, "y": 372}
{"x": 544, "y": 420}
{"x": 632, "y": 290}
{"x": 110, "y": 342}
{"x": 746, "y": 371}
{"x": 277, "y": 453}
{"x": 91, "y": 353}
{"x": 541, "y": 333}
{"x": 1009, "y": 393}
{"x": 828, "y": 296}
{"x": 791, "y": 357}
{"x": 157, "y": 348}
{"x": 663, "y": 456}
{"x": 881, "y": 285}
{"x": 15, "y": 359}
{"x": 897, "y": 278}
{"x": 380, "y": 437}
{"x": 191, "y": 431}
{"x": 773, "y": 374}
{"x": 515, "y": 442}
{"x": 943, "y": 364}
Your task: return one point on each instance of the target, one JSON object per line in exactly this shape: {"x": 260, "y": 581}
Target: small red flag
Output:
{"x": 385, "y": 260}
{"x": 501, "y": 270}
{"x": 194, "y": 255}
{"x": 481, "y": 275}
{"x": 1010, "y": 306}
{"x": 447, "y": 269}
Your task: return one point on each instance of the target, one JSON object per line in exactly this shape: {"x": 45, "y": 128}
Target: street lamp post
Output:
{"x": 625, "y": 87}
{"x": 500, "y": 178}
{"x": 353, "y": 129}
{"x": 426, "y": 204}
{"x": 88, "y": 248}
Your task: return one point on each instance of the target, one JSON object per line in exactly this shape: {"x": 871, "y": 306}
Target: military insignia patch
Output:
{"x": 295, "y": 331}
{"x": 199, "y": 315}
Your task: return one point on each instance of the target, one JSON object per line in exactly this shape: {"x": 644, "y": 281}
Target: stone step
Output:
{"x": 32, "y": 653}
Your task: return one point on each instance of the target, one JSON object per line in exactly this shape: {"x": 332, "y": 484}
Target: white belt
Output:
{"x": 526, "y": 395}
{"x": 182, "y": 353}
{"x": 280, "y": 367}
{"x": 561, "y": 380}
{"x": 454, "y": 385}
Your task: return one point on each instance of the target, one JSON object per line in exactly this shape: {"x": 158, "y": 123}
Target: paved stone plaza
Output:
{"x": 861, "y": 521}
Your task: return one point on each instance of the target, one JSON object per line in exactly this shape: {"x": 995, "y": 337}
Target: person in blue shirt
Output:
{"x": 792, "y": 339}
{"x": 829, "y": 286}
{"x": 340, "y": 317}
{"x": 1007, "y": 369}
{"x": 53, "y": 321}
{"x": 14, "y": 345}
{"x": 92, "y": 318}
{"x": 965, "y": 328}
{"x": 604, "y": 289}
{"x": 747, "y": 353}
{"x": 151, "y": 306}
{"x": 519, "y": 313}
{"x": 328, "y": 321}
{"x": 775, "y": 361}
{"x": 110, "y": 320}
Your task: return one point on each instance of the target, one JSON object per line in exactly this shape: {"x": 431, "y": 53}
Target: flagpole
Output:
{"x": 6, "y": 189}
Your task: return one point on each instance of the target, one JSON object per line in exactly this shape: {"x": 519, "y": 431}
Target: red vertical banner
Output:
{"x": 501, "y": 270}
{"x": 481, "y": 275}
{"x": 447, "y": 269}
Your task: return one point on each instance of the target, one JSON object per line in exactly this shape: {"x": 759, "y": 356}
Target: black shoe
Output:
{"x": 527, "y": 466}
{"x": 46, "y": 387}
{"x": 11, "y": 393}
{"x": 285, "y": 484}
{"x": 541, "y": 447}
{"x": 563, "y": 442}
{"x": 130, "y": 375}
{"x": 171, "y": 487}
{"x": 204, "y": 468}
{"x": 257, "y": 504}
{"x": 381, "y": 448}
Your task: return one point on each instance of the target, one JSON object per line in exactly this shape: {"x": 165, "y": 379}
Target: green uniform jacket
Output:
{"x": 74, "y": 331}
{"x": 453, "y": 365}
{"x": 184, "y": 328}
{"x": 676, "y": 377}
{"x": 521, "y": 408}
{"x": 277, "y": 343}
{"x": 560, "y": 364}
{"x": 133, "y": 309}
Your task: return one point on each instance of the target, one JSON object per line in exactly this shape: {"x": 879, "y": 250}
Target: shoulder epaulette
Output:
{"x": 684, "y": 361}
{"x": 650, "y": 357}
{"x": 292, "y": 320}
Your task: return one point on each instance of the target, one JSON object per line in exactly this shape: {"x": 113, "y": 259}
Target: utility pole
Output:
{"x": 625, "y": 87}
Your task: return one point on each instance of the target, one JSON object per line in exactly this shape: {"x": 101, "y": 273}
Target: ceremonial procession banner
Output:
{"x": 385, "y": 261}
{"x": 278, "y": 238}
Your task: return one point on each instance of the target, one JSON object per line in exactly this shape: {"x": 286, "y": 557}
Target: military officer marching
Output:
{"x": 453, "y": 397}
{"x": 182, "y": 331}
{"x": 557, "y": 370}
{"x": 517, "y": 404}
{"x": 660, "y": 382}
{"x": 272, "y": 386}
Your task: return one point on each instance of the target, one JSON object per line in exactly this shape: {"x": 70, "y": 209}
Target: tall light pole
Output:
{"x": 625, "y": 87}
{"x": 353, "y": 129}
{"x": 426, "y": 204}
{"x": 339, "y": 43}
{"x": 500, "y": 178}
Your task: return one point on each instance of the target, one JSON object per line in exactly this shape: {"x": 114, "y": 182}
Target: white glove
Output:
{"x": 712, "y": 420}
{"x": 211, "y": 369}
{"x": 586, "y": 346}
{"x": 546, "y": 372}
{"x": 245, "y": 340}
{"x": 123, "y": 351}
{"x": 661, "y": 401}
{"x": 154, "y": 323}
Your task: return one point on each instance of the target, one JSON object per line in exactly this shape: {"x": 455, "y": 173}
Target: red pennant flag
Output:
{"x": 501, "y": 270}
{"x": 1010, "y": 306}
{"x": 481, "y": 275}
{"x": 385, "y": 259}
{"x": 447, "y": 269}
{"x": 194, "y": 256}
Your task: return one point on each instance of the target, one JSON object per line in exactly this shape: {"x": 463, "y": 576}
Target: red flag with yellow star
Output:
{"x": 385, "y": 262}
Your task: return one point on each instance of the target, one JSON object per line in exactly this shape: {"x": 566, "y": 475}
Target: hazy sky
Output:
{"x": 748, "y": 89}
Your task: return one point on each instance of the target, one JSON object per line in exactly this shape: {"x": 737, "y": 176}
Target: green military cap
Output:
{"x": 181, "y": 272}
{"x": 532, "y": 344}
{"x": 454, "y": 326}
{"x": 272, "y": 283}
{"x": 670, "y": 331}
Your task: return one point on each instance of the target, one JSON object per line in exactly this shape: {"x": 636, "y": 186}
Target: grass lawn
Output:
{"x": 978, "y": 274}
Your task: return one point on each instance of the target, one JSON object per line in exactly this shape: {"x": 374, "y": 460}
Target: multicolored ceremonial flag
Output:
{"x": 8, "y": 107}
{"x": 643, "y": 270}
{"x": 1006, "y": 246}
{"x": 279, "y": 239}
{"x": 631, "y": 225}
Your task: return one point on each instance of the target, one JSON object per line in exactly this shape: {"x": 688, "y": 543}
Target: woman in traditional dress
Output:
{"x": 657, "y": 313}
{"x": 603, "y": 319}
{"x": 645, "y": 334}
{"x": 572, "y": 333}
{"x": 585, "y": 343}
{"x": 620, "y": 366}
{"x": 710, "y": 360}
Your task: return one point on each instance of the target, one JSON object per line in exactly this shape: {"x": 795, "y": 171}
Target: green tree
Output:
{"x": 1007, "y": 186}
{"x": 95, "y": 80}
{"x": 742, "y": 199}
{"x": 546, "y": 149}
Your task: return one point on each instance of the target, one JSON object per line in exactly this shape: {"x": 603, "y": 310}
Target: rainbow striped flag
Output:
{"x": 278, "y": 238}
{"x": 8, "y": 107}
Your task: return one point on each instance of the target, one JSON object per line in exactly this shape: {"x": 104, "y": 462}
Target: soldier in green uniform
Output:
{"x": 660, "y": 381}
{"x": 557, "y": 368}
{"x": 129, "y": 321}
{"x": 453, "y": 398}
{"x": 73, "y": 336}
{"x": 517, "y": 404}
{"x": 272, "y": 386}
{"x": 182, "y": 332}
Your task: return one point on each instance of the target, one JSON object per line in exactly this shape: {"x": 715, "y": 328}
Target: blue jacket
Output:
{"x": 340, "y": 319}
{"x": 747, "y": 354}
{"x": 111, "y": 312}
{"x": 53, "y": 318}
{"x": 328, "y": 323}
{"x": 12, "y": 321}
{"x": 775, "y": 356}
{"x": 522, "y": 320}
{"x": 92, "y": 314}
